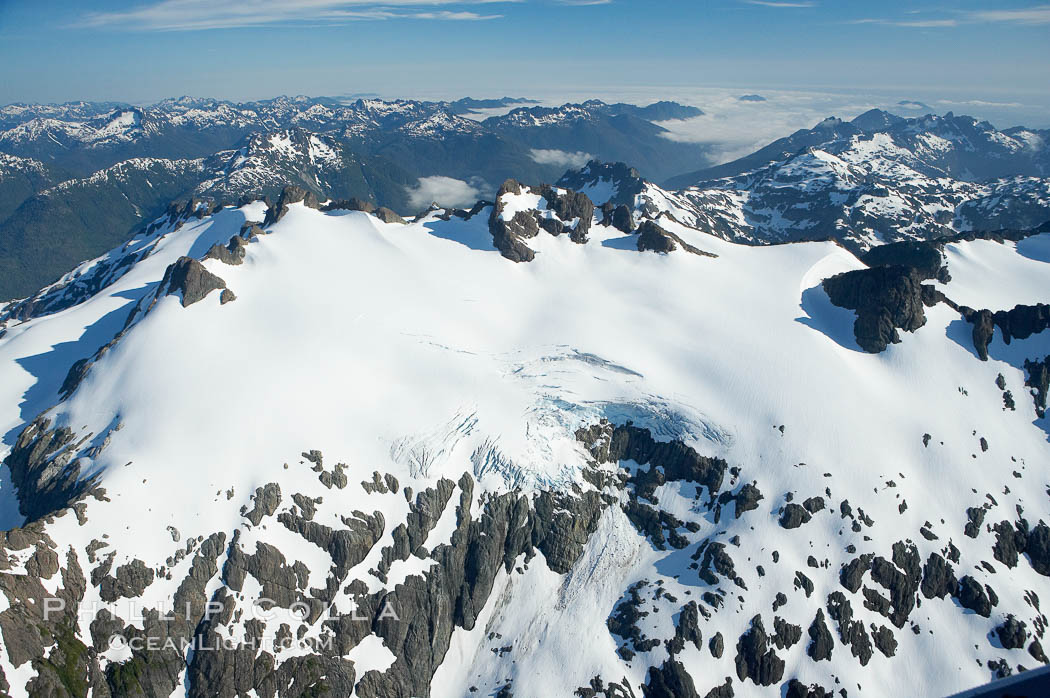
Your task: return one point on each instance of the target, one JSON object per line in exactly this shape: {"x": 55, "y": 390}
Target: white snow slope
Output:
{"x": 417, "y": 350}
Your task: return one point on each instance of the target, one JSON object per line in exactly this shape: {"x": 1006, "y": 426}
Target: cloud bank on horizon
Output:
{"x": 140, "y": 51}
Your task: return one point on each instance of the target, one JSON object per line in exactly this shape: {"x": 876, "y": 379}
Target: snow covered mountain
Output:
{"x": 82, "y": 138}
{"x": 879, "y": 178}
{"x": 862, "y": 191}
{"x": 20, "y": 178}
{"x": 860, "y": 188}
{"x": 51, "y": 231}
{"x": 960, "y": 147}
{"x": 266, "y": 163}
{"x": 380, "y": 150}
{"x": 540, "y": 447}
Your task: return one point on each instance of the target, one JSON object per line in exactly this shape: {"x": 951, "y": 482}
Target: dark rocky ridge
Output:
{"x": 1020, "y": 322}
{"x": 1039, "y": 381}
{"x": 43, "y": 470}
{"x": 289, "y": 195}
{"x": 626, "y": 180}
{"x": 507, "y": 235}
{"x": 676, "y": 461}
{"x": 926, "y": 258}
{"x": 567, "y": 206}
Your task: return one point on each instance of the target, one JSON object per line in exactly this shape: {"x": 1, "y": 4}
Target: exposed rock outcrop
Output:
{"x": 1038, "y": 379}
{"x": 231, "y": 253}
{"x": 1012, "y": 633}
{"x": 188, "y": 279}
{"x": 925, "y": 257}
{"x": 885, "y": 298}
{"x": 1021, "y": 322}
{"x": 289, "y": 195}
{"x": 675, "y": 460}
{"x": 821, "y": 643}
{"x": 755, "y": 660}
{"x": 352, "y": 204}
{"x": 387, "y": 216}
{"x": 671, "y": 680}
{"x": 974, "y": 596}
{"x": 794, "y": 515}
{"x": 571, "y": 206}
{"x": 687, "y": 629}
{"x": 622, "y": 219}
{"x": 653, "y": 238}
{"x": 797, "y": 689}
{"x": 507, "y": 235}
{"x": 43, "y": 470}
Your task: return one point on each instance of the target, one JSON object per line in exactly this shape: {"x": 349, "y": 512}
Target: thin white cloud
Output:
{"x": 916, "y": 23}
{"x": 445, "y": 191}
{"x": 775, "y": 3}
{"x": 1037, "y": 14}
{"x": 927, "y": 23}
{"x": 561, "y": 158}
{"x": 583, "y": 3}
{"x": 981, "y": 103}
{"x": 192, "y": 15}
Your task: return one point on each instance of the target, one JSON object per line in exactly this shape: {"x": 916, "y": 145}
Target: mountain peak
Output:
{"x": 613, "y": 182}
{"x": 876, "y": 120}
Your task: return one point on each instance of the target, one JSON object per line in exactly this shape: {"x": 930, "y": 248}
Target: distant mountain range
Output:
{"x": 879, "y": 178}
{"x": 960, "y": 147}
{"x": 83, "y": 138}
{"x": 120, "y": 165}
{"x": 78, "y": 178}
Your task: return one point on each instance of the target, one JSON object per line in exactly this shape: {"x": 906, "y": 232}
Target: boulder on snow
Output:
{"x": 653, "y": 238}
{"x": 188, "y": 278}
{"x": 387, "y": 216}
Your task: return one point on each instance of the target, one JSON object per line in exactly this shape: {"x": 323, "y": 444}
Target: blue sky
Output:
{"x": 144, "y": 50}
